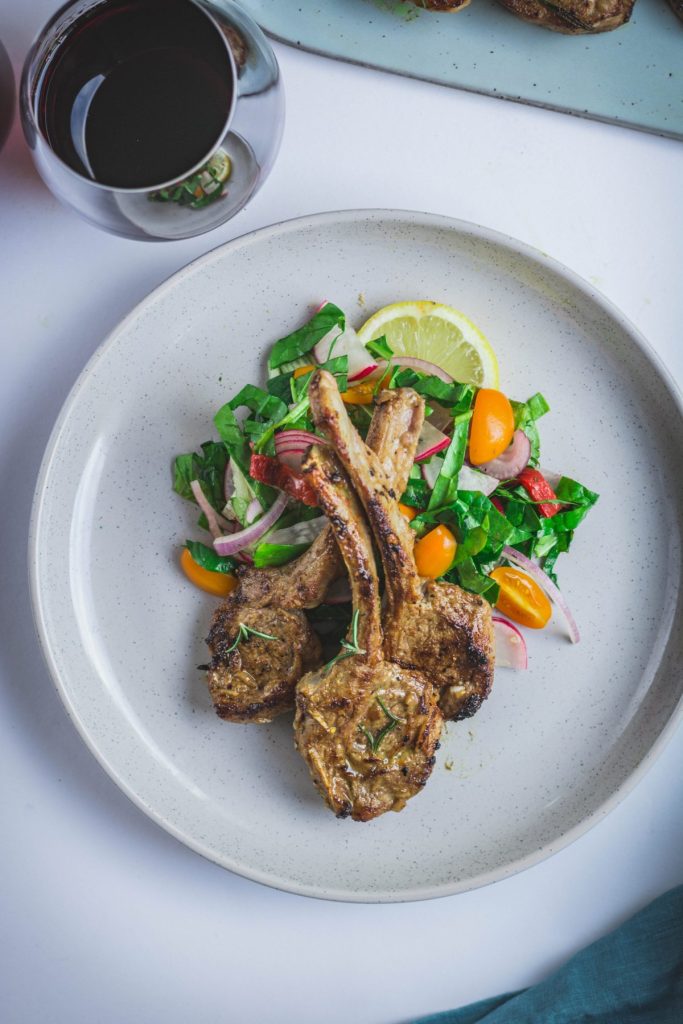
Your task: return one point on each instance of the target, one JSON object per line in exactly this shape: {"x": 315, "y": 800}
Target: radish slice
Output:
{"x": 338, "y": 592}
{"x": 423, "y": 366}
{"x": 512, "y": 461}
{"x": 470, "y": 479}
{"x": 430, "y": 470}
{"x": 431, "y": 441}
{"x": 217, "y": 524}
{"x": 511, "y": 649}
{"x": 345, "y": 343}
{"x": 231, "y": 545}
{"x": 547, "y": 585}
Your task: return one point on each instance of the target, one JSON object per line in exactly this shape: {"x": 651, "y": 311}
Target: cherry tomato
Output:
{"x": 301, "y": 371}
{"x": 434, "y": 553}
{"x": 220, "y": 584}
{"x": 360, "y": 394}
{"x": 407, "y": 511}
{"x": 492, "y": 426}
{"x": 521, "y": 598}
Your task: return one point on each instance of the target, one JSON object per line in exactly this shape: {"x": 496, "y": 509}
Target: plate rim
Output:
{"x": 60, "y": 680}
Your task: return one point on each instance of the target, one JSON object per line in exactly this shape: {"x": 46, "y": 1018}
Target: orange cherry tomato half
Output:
{"x": 220, "y": 584}
{"x": 434, "y": 553}
{"x": 360, "y": 394}
{"x": 492, "y": 426}
{"x": 303, "y": 370}
{"x": 407, "y": 511}
{"x": 521, "y": 598}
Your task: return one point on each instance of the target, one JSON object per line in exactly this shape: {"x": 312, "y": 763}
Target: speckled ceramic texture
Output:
{"x": 551, "y": 751}
{"x": 631, "y": 76}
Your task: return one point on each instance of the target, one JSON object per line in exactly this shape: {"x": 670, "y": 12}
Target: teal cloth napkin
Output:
{"x": 632, "y": 976}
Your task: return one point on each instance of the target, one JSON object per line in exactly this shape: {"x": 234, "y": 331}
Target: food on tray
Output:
{"x": 573, "y": 17}
{"x": 334, "y": 451}
{"x": 367, "y": 727}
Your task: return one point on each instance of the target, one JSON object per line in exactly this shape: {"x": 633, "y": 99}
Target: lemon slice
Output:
{"x": 221, "y": 165}
{"x": 439, "y": 334}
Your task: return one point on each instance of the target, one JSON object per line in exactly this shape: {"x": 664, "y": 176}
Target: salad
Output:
{"x": 486, "y": 515}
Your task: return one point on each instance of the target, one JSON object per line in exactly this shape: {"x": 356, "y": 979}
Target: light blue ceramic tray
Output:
{"x": 632, "y": 76}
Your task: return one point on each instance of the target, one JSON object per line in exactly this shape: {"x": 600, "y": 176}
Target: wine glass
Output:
{"x": 217, "y": 181}
{"x": 6, "y": 95}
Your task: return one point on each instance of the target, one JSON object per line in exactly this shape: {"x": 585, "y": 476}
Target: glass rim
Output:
{"x": 28, "y": 94}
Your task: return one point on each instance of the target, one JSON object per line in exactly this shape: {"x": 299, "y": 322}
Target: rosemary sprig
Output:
{"x": 244, "y": 632}
{"x": 349, "y": 648}
{"x": 393, "y": 720}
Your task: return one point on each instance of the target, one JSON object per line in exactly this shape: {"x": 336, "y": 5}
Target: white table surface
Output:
{"x": 103, "y": 916}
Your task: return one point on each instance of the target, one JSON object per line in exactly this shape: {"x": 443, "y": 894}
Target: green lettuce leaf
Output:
{"x": 301, "y": 341}
{"x": 208, "y": 559}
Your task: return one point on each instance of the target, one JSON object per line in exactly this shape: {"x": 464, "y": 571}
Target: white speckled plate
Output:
{"x": 553, "y": 749}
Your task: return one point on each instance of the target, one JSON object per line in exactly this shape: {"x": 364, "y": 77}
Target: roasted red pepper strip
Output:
{"x": 538, "y": 489}
{"x": 268, "y": 470}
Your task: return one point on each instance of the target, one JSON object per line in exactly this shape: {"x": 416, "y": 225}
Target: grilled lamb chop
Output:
{"x": 442, "y": 6}
{"x": 254, "y": 681}
{"x": 573, "y": 17}
{"x": 366, "y": 727}
{"x": 439, "y": 628}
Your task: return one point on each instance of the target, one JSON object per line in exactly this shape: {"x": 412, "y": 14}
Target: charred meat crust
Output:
{"x": 366, "y": 728}
{"x": 573, "y": 17}
{"x": 252, "y": 683}
{"x": 432, "y": 627}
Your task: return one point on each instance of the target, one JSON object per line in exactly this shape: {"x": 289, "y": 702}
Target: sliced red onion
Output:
{"x": 292, "y": 445}
{"x": 217, "y": 524}
{"x": 430, "y": 442}
{"x": 470, "y": 479}
{"x": 511, "y": 649}
{"x": 430, "y": 470}
{"x": 253, "y": 511}
{"x": 512, "y": 461}
{"x": 231, "y": 545}
{"x": 228, "y": 482}
{"x": 338, "y": 592}
{"x": 544, "y": 581}
{"x": 423, "y": 366}
{"x": 287, "y": 437}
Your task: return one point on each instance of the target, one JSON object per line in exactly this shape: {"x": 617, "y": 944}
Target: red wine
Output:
{"x": 137, "y": 93}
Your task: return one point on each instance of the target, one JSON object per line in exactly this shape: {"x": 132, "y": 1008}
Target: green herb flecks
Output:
{"x": 375, "y": 741}
{"x": 244, "y": 632}
{"x": 349, "y": 648}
